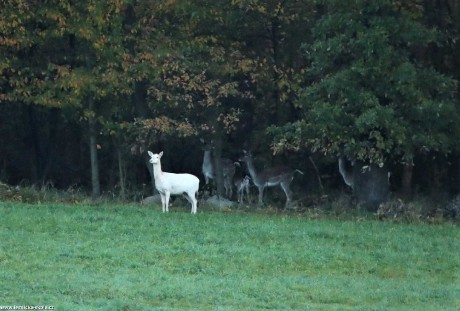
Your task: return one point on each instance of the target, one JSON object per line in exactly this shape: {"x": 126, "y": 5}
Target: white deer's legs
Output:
{"x": 166, "y": 207}
{"x": 194, "y": 205}
{"x": 191, "y": 198}
{"x": 163, "y": 199}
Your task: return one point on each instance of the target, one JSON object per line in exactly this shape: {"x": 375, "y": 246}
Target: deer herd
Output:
{"x": 187, "y": 185}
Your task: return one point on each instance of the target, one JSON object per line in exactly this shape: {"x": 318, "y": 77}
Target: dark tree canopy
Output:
{"x": 372, "y": 81}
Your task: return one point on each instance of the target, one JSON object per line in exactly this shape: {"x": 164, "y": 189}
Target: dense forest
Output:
{"x": 87, "y": 87}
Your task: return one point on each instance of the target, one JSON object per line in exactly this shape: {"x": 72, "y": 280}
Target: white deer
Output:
{"x": 270, "y": 177}
{"x": 170, "y": 183}
{"x": 228, "y": 169}
{"x": 242, "y": 186}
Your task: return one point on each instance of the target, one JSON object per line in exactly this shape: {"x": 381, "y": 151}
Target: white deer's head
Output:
{"x": 155, "y": 157}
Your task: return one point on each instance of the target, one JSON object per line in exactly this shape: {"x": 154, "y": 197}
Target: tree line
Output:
{"x": 87, "y": 87}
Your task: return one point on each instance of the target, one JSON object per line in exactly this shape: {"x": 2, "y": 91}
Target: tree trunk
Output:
{"x": 141, "y": 108}
{"x": 318, "y": 175}
{"x": 282, "y": 108}
{"x": 152, "y": 177}
{"x": 438, "y": 176}
{"x": 50, "y": 146}
{"x": 121, "y": 174}
{"x": 217, "y": 163}
{"x": 95, "y": 182}
{"x": 457, "y": 176}
{"x": 406, "y": 180}
{"x": 34, "y": 139}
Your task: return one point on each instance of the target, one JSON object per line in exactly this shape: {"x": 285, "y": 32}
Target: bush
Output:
{"x": 452, "y": 209}
{"x": 420, "y": 209}
{"x": 45, "y": 193}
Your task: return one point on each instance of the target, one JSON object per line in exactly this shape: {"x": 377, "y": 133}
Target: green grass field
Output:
{"x": 131, "y": 257}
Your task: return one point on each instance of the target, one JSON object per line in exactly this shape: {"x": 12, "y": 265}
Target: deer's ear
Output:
{"x": 202, "y": 140}
{"x": 150, "y": 153}
{"x": 160, "y": 154}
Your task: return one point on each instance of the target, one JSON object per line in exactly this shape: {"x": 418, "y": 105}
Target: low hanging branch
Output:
{"x": 166, "y": 125}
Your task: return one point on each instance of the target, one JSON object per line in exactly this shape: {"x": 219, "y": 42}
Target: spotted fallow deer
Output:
{"x": 270, "y": 177}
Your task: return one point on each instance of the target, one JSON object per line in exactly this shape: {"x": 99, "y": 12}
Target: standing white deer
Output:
{"x": 228, "y": 169}
{"x": 171, "y": 183}
{"x": 270, "y": 177}
{"x": 242, "y": 186}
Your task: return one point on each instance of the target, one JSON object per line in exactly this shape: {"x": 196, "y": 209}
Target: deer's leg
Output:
{"x": 287, "y": 191}
{"x": 261, "y": 195}
{"x": 166, "y": 208}
{"x": 228, "y": 190}
{"x": 240, "y": 195}
{"x": 230, "y": 186}
{"x": 247, "y": 192}
{"x": 209, "y": 181}
{"x": 163, "y": 199}
{"x": 191, "y": 198}
{"x": 194, "y": 203}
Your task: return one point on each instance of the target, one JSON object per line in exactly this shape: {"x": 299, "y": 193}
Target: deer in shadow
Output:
{"x": 209, "y": 172}
{"x": 270, "y": 177}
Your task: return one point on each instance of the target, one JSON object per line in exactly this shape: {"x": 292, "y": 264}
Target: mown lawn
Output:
{"x": 130, "y": 257}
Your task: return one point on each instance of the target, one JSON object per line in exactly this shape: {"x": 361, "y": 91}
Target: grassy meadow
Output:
{"x": 132, "y": 257}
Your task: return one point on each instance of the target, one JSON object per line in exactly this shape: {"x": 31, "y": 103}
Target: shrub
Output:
{"x": 452, "y": 209}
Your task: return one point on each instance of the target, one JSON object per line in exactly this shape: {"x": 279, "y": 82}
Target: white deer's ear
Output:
{"x": 160, "y": 154}
{"x": 202, "y": 140}
{"x": 244, "y": 151}
{"x": 150, "y": 153}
